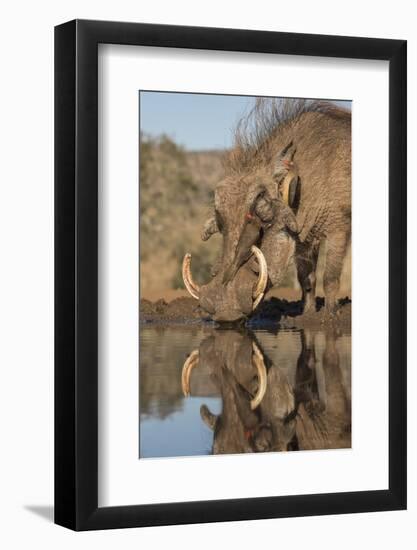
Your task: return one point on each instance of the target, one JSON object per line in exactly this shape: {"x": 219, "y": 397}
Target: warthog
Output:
{"x": 287, "y": 187}
{"x": 261, "y": 410}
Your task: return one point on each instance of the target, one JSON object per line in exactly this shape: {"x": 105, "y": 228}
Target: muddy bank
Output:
{"x": 179, "y": 310}
{"x": 274, "y": 310}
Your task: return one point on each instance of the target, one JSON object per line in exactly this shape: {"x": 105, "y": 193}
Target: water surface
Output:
{"x": 206, "y": 407}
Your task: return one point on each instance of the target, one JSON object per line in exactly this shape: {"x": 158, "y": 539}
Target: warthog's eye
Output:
{"x": 264, "y": 207}
{"x": 261, "y": 195}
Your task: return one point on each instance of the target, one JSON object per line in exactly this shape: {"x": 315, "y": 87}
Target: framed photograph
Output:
{"x": 230, "y": 252}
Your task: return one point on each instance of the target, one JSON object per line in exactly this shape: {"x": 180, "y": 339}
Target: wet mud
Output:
{"x": 272, "y": 311}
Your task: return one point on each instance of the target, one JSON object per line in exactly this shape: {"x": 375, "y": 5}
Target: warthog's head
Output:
{"x": 253, "y": 211}
{"x": 257, "y": 400}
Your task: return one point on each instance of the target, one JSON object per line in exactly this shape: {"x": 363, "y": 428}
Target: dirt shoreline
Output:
{"x": 272, "y": 311}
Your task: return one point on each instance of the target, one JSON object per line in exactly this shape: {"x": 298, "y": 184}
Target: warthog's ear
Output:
{"x": 209, "y": 228}
{"x": 284, "y": 162}
{"x": 208, "y": 417}
{"x": 286, "y": 176}
{"x": 293, "y": 192}
{"x": 286, "y": 152}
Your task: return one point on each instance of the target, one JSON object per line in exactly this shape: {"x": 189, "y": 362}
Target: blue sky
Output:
{"x": 195, "y": 121}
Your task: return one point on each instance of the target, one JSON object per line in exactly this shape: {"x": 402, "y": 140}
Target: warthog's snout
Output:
{"x": 234, "y": 301}
{"x": 228, "y": 316}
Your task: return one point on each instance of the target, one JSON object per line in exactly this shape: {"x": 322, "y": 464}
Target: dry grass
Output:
{"x": 176, "y": 191}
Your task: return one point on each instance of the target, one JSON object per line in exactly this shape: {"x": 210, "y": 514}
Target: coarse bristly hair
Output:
{"x": 256, "y": 132}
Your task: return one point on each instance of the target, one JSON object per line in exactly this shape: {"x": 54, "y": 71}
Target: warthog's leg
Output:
{"x": 336, "y": 252}
{"x": 306, "y": 262}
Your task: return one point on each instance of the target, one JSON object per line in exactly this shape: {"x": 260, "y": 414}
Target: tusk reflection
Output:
{"x": 259, "y": 363}
{"x": 190, "y": 363}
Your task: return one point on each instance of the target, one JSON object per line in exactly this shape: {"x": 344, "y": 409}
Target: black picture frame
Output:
{"x": 76, "y": 272}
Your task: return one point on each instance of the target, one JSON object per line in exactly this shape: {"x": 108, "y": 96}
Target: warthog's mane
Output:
{"x": 257, "y": 132}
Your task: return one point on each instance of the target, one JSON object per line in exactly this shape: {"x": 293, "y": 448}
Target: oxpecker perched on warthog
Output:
{"x": 286, "y": 188}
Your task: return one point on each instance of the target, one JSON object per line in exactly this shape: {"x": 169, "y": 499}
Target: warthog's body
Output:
{"x": 289, "y": 175}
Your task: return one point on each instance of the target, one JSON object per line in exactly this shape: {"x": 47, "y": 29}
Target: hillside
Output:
{"x": 176, "y": 190}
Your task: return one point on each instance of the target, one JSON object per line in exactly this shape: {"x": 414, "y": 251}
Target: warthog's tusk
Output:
{"x": 190, "y": 363}
{"x": 190, "y": 285}
{"x": 259, "y": 290}
{"x": 258, "y": 360}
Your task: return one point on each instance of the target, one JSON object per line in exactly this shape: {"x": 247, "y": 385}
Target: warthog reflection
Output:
{"x": 262, "y": 410}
